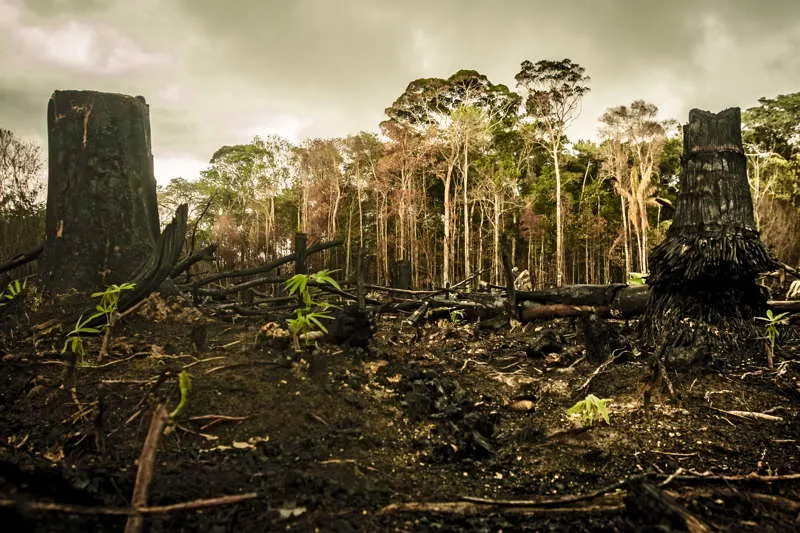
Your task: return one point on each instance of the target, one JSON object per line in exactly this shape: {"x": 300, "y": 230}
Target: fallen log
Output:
{"x": 609, "y": 301}
{"x": 618, "y": 301}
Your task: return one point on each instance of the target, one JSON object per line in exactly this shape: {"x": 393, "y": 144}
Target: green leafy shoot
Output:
{"x": 590, "y": 411}
{"x": 185, "y": 385}
{"x": 109, "y": 300}
{"x": 74, "y": 341}
{"x": 457, "y": 315}
{"x": 11, "y": 291}
{"x": 636, "y": 278}
{"x": 309, "y": 317}
{"x": 771, "y": 323}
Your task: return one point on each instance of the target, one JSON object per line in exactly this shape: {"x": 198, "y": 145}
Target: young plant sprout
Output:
{"x": 590, "y": 411}
{"x": 12, "y": 291}
{"x": 308, "y": 318}
{"x": 772, "y": 321}
{"x": 109, "y": 302}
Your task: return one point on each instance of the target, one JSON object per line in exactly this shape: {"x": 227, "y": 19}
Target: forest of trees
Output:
{"x": 459, "y": 165}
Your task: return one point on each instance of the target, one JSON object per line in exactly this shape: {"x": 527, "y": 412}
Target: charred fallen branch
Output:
{"x": 205, "y": 254}
{"x": 23, "y": 258}
{"x": 265, "y": 268}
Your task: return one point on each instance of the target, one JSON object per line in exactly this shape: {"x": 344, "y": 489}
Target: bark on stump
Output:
{"x": 703, "y": 276}
{"x": 102, "y": 217}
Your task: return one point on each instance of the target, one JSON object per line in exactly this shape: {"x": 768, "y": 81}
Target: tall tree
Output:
{"x": 20, "y": 173}
{"x": 453, "y": 114}
{"x": 553, "y": 91}
{"x": 771, "y": 135}
{"x": 635, "y": 140}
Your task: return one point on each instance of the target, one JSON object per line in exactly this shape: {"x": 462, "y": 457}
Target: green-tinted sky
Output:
{"x": 218, "y": 72}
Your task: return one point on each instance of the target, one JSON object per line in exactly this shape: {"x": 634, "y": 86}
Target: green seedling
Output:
{"x": 107, "y": 308}
{"x": 109, "y": 302}
{"x": 309, "y": 317}
{"x": 185, "y": 385}
{"x": 772, "y": 321}
{"x": 74, "y": 341}
{"x": 590, "y": 411}
{"x": 12, "y": 291}
{"x": 637, "y": 278}
{"x": 456, "y": 316}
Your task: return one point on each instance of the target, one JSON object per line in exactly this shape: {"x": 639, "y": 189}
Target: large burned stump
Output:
{"x": 704, "y": 292}
{"x": 102, "y": 217}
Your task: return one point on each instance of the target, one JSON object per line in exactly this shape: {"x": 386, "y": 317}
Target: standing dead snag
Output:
{"x": 704, "y": 293}
{"x": 102, "y": 216}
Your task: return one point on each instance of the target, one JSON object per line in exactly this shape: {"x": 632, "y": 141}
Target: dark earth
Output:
{"x": 392, "y": 438}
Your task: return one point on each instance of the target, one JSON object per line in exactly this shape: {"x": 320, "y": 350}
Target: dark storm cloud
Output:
{"x": 220, "y": 72}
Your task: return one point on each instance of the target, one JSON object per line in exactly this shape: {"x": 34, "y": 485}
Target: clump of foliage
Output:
{"x": 772, "y": 321}
{"x": 590, "y": 411}
{"x": 308, "y": 318}
{"x": 107, "y": 308}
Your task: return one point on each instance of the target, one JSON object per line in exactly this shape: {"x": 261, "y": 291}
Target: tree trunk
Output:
{"x": 559, "y": 223}
{"x": 102, "y": 216}
{"x": 703, "y": 276}
{"x": 465, "y": 176}
{"x": 446, "y": 244}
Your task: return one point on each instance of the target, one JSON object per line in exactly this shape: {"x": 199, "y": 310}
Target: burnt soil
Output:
{"x": 394, "y": 437}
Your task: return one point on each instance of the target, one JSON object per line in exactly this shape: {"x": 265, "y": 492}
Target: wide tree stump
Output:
{"x": 704, "y": 292}
{"x": 102, "y": 217}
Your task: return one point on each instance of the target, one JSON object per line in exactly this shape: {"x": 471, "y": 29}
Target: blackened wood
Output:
{"x": 205, "y": 254}
{"x": 300, "y": 252}
{"x": 401, "y": 274}
{"x": 22, "y": 259}
{"x": 361, "y": 267}
{"x": 511, "y": 293}
{"x": 300, "y": 242}
{"x": 628, "y": 303}
{"x": 267, "y": 267}
{"x": 534, "y": 311}
{"x": 648, "y": 505}
{"x": 102, "y": 214}
{"x": 703, "y": 276}
{"x": 574, "y": 294}
{"x": 156, "y": 268}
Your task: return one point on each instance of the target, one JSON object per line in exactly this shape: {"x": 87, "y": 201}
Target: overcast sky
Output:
{"x": 219, "y": 72}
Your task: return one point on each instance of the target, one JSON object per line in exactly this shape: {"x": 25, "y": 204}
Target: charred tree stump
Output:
{"x": 704, "y": 293}
{"x": 401, "y": 274}
{"x": 102, "y": 215}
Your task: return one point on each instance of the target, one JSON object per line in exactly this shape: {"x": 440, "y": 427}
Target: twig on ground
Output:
{"x": 144, "y": 475}
{"x": 750, "y": 415}
{"x": 597, "y": 371}
{"x": 118, "y": 511}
